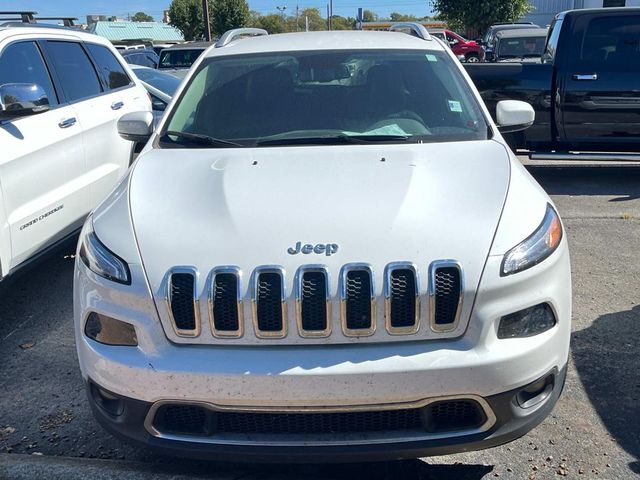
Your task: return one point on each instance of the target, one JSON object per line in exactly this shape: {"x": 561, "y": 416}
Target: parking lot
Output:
{"x": 592, "y": 433}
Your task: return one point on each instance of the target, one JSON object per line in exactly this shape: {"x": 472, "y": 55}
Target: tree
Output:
{"x": 343, "y": 23}
{"x": 400, "y": 17}
{"x": 272, "y": 23}
{"x": 228, "y": 14}
{"x": 186, "y": 16}
{"x": 316, "y": 21}
{"x": 141, "y": 17}
{"x": 369, "y": 16}
{"x": 475, "y": 16}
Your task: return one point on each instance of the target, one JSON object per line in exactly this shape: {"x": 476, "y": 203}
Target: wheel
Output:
{"x": 473, "y": 58}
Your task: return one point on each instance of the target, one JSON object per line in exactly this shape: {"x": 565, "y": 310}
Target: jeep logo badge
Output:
{"x": 328, "y": 249}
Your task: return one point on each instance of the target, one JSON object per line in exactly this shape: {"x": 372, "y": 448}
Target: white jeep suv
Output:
{"x": 325, "y": 251}
{"x": 61, "y": 94}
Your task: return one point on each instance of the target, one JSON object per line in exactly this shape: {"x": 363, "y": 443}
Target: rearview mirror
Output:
{"x": 136, "y": 126}
{"x": 21, "y": 99}
{"x": 514, "y": 115}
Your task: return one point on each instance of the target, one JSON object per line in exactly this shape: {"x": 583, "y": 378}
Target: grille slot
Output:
{"x": 318, "y": 423}
{"x": 401, "y": 294}
{"x": 269, "y": 308}
{"x": 182, "y": 303}
{"x": 183, "y": 420}
{"x": 446, "y": 295}
{"x": 225, "y": 304}
{"x": 450, "y": 415}
{"x": 313, "y": 307}
{"x": 357, "y": 299}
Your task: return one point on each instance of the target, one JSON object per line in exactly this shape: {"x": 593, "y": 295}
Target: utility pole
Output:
{"x": 205, "y": 19}
{"x": 297, "y": 12}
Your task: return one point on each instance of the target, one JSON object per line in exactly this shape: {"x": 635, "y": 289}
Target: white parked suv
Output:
{"x": 62, "y": 92}
{"x": 325, "y": 251}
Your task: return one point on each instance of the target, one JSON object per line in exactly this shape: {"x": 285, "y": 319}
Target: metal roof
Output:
{"x": 523, "y": 32}
{"x": 119, "y": 31}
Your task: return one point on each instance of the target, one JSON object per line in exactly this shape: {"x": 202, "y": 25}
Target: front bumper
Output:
{"x": 511, "y": 422}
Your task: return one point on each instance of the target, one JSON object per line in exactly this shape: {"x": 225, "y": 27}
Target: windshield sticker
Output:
{"x": 455, "y": 106}
{"x": 432, "y": 58}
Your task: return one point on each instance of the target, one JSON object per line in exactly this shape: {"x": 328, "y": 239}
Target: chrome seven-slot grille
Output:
{"x": 356, "y": 287}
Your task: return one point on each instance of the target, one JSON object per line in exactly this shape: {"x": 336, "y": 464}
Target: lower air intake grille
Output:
{"x": 441, "y": 416}
{"x": 318, "y": 423}
{"x": 358, "y": 300}
{"x": 181, "y": 295}
{"x": 225, "y": 302}
{"x": 402, "y": 295}
{"x": 447, "y": 289}
{"x": 313, "y": 301}
{"x": 454, "y": 415}
{"x": 269, "y": 302}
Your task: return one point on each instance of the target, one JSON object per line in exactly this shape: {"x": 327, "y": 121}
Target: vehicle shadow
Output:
{"x": 621, "y": 181}
{"x": 606, "y": 358}
{"x": 404, "y": 469}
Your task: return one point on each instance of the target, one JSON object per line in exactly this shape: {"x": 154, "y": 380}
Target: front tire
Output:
{"x": 473, "y": 58}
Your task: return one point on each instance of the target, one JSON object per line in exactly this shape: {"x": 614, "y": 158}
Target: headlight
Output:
{"x": 99, "y": 259}
{"x": 542, "y": 243}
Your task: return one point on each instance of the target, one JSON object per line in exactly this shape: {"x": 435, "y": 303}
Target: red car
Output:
{"x": 471, "y": 51}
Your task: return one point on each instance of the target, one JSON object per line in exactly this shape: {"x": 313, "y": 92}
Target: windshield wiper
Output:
{"x": 334, "y": 140}
{"x": 199, "y": 139}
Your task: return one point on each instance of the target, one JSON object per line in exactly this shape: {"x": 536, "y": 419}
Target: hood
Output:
{"x": 379, "y": 204}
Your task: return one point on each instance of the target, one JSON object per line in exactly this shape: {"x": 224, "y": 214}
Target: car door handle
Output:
{"x": 582, "y": 77}
{"x": 67, "y": 122}
{"x": 117, "y": 105}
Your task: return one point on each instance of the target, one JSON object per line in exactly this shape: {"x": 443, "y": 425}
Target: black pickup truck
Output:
{"x": 585, "y": 91}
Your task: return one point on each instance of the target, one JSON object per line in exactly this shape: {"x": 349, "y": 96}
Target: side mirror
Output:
{"x": 136, "y": 126}
{"x": 514, "y": 115}
{"x": 158, "y": 105}
{"x": 21, "y": 99}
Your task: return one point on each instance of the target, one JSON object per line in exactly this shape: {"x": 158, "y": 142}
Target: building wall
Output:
{"x": 545, "y": 10}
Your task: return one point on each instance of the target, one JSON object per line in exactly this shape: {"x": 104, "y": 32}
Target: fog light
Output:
{"x": 111, "y": 404}
{"x": 536, "y": 392}
{"x": 528, "y": 322}
{"x": 110, "y": 331}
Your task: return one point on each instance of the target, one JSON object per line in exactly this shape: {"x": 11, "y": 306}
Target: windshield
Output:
{"x": 325, "y": 97}
{"x": 164, "y": 82}
{"x": 521, "y": 47}
{"x": 179, "y": 58}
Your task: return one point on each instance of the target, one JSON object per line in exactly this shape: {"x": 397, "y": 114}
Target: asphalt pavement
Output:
{"x": 46, "y": 428}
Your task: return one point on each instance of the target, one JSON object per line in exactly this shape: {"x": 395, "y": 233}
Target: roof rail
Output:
{"x": 66, "y": 21}
{"x": 24, "y": 16}
{"x": 232, "y": 35}
{"x": 412, "y": 28}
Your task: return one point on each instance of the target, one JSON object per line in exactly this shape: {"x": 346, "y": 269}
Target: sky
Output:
{"x": 81, "y": 8}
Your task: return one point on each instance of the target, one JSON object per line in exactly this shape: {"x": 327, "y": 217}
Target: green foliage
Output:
{"x": 272, "y": 23}
{"x": 186, "y": 16}
{"x": 475, "y": 16}
{"x": 399, "y": 17}
{"x": 141, "y": 17}
{"x": 228, "y": 14}
{"x": 343, "y": 23}
{"x": 369, "y": 16}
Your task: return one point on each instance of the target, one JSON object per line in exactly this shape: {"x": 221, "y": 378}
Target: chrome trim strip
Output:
{"x": 388, "y": 270}
{"x": 196, "y": 303}
{"x": 254, "y": 301}
{"x": 298, "y": 296}
{"x": 488, "y": 424}
{"x": 342, "y": 288}
{"x": 435, "y": 265}
{"x": 210, "y": 301}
